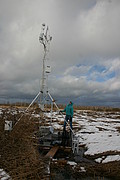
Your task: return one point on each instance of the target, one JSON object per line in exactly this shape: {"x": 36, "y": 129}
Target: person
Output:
{"x": 69, "y": 114}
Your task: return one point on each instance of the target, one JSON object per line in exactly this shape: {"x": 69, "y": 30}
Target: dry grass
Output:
{"x": 19, "y": 156}
{"x": 92, "y": 171}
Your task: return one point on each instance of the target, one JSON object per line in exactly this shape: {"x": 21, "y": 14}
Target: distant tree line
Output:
{"x": 61, "y": 106}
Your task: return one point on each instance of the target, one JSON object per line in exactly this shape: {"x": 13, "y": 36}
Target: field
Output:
{"x": 98, "y": 132}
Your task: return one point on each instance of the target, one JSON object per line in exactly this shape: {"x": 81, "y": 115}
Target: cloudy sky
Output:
{"x": 84, "y": 51}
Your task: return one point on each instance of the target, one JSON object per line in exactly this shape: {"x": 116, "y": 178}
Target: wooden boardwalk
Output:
{"x": 52, "y": 151}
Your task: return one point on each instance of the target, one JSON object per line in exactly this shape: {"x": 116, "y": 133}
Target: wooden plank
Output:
{"x": 52, "y": 151}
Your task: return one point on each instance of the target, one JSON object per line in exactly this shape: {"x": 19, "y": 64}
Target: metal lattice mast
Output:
{"x": 44, "y": 39}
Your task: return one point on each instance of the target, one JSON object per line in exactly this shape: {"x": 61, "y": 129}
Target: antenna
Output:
{"x": 45, "y": 40}
{"x": 45, "y": 37}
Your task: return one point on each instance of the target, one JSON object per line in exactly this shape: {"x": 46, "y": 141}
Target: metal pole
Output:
{"x": 43, "y": 80}
{"x": 44, "y": 39}
{"x": 32, "y": 101}
{"x": 51, "y": 110}
{"x": 27, "y": 108}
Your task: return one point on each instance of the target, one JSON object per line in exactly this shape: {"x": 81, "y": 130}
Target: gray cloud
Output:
{"x": 85, "y": 33}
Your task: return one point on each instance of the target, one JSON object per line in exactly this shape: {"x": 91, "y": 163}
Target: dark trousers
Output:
{"x": 68, "y": 117}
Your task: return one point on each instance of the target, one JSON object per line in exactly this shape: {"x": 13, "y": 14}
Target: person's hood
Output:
{"x": 71, "y": 103}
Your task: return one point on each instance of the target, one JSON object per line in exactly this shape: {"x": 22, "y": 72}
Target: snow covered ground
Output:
{"x": 99, "y": 131}
{"x": 4, "y": 175}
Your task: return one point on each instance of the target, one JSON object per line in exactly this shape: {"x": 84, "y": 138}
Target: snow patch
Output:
{"x": 72, "y": 163}
{"x": 111, "y": 158}
{"x": 4, "y": 175}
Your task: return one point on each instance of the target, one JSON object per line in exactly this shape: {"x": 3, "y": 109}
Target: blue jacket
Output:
{"x": 69, "y": 109}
